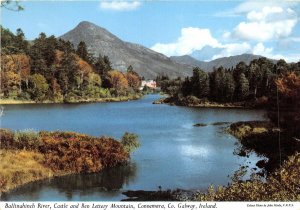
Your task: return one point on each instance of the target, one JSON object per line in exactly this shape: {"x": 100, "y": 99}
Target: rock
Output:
{"x": 261, "y": 163}
{"x": 200, "y": 125}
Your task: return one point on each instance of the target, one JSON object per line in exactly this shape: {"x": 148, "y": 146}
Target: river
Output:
{"x": 173, "y": 153}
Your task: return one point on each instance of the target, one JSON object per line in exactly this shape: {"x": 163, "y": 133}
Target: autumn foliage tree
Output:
{"x": 118, "y": 81}
{"x": 51, "y": 69}
{"x": 288, "y": 99}
{"x": 134, "y": 81}
{"x": 38, "y": 87}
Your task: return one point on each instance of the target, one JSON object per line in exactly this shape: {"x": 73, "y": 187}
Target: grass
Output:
{"x": 82, "y": 100}
{"x": 243, "y": 130}
{"x": 14, "y": 101}
{"x": 18, "y": 167}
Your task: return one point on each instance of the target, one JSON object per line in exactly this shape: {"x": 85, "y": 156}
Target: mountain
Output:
{"x": 226, "y": 62}
{"x": 188, "y": 60}
{"x": 145, "y": 62}
{"x": 206, "y": 53}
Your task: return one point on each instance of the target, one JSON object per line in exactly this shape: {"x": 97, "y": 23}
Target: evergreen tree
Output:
{"x": 200, "y": 83}
{"x": 82, "y": 51}
{"x": 242, "y": 87}
{"x": 67, "y": 72}
{"x": 229, "y": 87}
{"x": 186, "y": 87}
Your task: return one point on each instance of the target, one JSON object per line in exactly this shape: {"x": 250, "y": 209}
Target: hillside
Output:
{"x": 226, "y": 62}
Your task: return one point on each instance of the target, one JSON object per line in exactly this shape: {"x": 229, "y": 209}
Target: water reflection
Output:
{"x": 75, "y": 186}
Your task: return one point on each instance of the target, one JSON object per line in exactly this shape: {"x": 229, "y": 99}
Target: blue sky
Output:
{"x": 206, "y": 29}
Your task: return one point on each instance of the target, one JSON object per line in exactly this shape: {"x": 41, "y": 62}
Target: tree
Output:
{"x": 217, "y": 84}
{"x": 281, "y": 67}
{"x": 186, "y": 87}
{"x": 239, "y": 69}
{"x": 242, "y": 87}
{"x": 130, "y": 142}
{"x": 11, "y": 5}
{"x": 118, "y": 81}
{"x": 229, "y": 87}
{"x": 288, "y": 100}
{"x": 43, "y": 54}
{"x": 56, "y": 90}
{"x": 20, "y": 41}
{"x": 107, "y": 64}
{"x": 200, "y": 83}
{"x": 38, "y": 87}
{"x": 130, "y": 68}
{"x": 102, "y": 67}
{"x": 65, "y": 46}
{"x": 82, "y": 51}
{"x": 67, "y": 72}
{"x": 11, "y": 83}
{"x": 134, "y": 80}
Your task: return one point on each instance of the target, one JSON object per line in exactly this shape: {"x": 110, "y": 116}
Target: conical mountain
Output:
{"x": 146, "y": 62}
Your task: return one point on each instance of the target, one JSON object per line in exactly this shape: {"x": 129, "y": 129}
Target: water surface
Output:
{"x": 173, "y": 153}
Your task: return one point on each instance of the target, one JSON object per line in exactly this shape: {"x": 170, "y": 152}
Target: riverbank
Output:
{"x": 90, "y": 100}
{"x": 192, "y": 101}
{"x": 19, "y": 167}
{"x": 28, "y": 156}
{"x": 267, "y": 140}
{"x": 281, "y": 185}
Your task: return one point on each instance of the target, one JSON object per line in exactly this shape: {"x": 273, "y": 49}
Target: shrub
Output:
{"x": 6, "y": 138}
{"x": 104, "y": 93}
{"x": 130, "y": 142}
{"x": 74, "y": 152}
{"x": 27, "y": 139}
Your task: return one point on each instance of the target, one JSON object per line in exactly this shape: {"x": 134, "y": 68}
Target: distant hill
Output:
{"x": 146, "y": 62}
{"x": 226, "y": 62}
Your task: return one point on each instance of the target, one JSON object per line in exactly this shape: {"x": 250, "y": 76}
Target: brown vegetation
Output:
{"x": 19, "y": 167}
{"x": 38, "y": 155}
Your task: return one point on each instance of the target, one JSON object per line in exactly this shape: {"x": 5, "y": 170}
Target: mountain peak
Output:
{"x": 85, "y": 24}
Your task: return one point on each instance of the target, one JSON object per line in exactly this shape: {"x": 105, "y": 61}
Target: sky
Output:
{"x": 204, "y": 29}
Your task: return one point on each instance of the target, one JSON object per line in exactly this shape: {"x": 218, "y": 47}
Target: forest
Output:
{"x": 241, "y": 83}
{"x": 51, "y": 69}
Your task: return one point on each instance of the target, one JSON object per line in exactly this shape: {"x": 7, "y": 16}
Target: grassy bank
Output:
{"x": 28, "y": 156}
{"x": 265, "y": 138}
{"x": 192, "y": 101}
{"x": 18, "y": 167}
{"x": 81, "y": 100}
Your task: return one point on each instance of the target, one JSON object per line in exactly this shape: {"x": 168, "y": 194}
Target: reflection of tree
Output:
{"x": 11, "y": 5}
{"x": 109, "y": 180}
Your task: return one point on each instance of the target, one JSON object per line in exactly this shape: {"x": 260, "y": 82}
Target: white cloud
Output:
{"x": 233, "y": 49}
{"x": 260, "y": 49}
{"x": 250, "y": 5}
{"x": 191, "y": 39}
{"x": 120, "y": 5}
{"x": 267, "y": 24}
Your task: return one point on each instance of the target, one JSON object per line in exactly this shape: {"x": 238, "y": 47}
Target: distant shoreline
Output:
{"x": 95, "y": 100}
